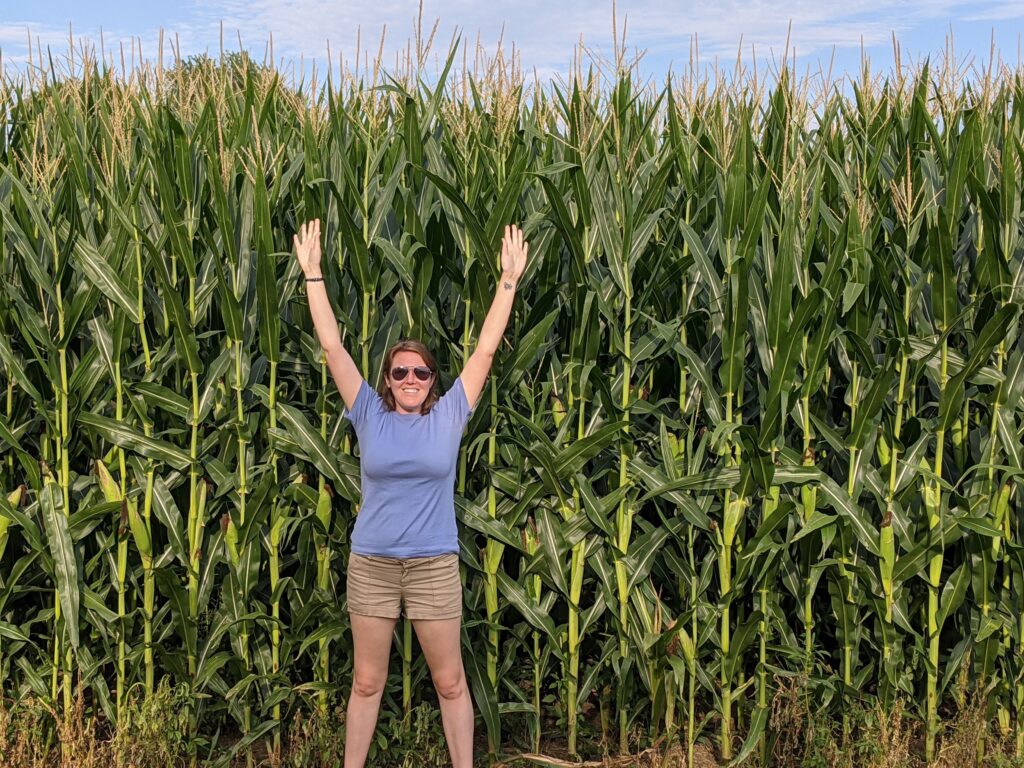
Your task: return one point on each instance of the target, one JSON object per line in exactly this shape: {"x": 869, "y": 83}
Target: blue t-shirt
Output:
{"x": 407, "y": 466}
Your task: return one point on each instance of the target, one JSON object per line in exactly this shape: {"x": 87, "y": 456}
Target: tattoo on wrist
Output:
{"x": 508, "y": 285}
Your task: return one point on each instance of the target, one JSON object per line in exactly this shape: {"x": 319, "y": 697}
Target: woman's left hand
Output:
{"x": 514, "y": 250}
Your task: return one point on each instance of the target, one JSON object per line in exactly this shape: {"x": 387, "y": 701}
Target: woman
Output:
{"x": 404, "y": 545}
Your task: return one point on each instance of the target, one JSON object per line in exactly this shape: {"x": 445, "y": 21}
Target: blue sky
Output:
{"x": 545, "y": 33}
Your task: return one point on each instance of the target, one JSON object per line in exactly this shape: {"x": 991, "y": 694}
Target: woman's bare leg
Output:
{"x": 439, "y": 639}
{"x": 372, "y": 638}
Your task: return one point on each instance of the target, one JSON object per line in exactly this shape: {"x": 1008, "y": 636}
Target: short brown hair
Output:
{"x": 409, "y": 345}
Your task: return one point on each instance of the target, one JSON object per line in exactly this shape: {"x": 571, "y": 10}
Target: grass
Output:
{"x": 154, "y": 735}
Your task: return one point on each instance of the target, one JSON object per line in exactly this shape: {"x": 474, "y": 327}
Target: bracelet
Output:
{"x": 315, "y": 279}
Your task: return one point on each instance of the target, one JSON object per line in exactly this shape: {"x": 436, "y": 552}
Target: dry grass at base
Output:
{"x": 28, "y": 738}
{"x": 17, "y": 745}
{"x": 32, "y": 737}
{"x": 674, "y": 757}
{"x": 880, "y": 739}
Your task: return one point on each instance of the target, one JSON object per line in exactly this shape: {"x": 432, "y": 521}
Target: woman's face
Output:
{"x": 409, "y": 392}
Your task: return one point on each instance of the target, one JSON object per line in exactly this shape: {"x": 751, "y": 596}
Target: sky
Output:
{"x": 823, "y": 35}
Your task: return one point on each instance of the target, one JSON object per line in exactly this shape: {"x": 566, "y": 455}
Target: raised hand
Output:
{"x": 307, "y": 248}
{"x": 514, "y": 250}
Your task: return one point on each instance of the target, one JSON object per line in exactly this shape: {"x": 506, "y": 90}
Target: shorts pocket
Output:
{"x": 447, "y": 586}
{"x": 434, "y": 590}
{"x": 372, "y": 588}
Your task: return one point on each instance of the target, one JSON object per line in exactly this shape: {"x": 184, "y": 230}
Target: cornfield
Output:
{"x": 758, "y": 418}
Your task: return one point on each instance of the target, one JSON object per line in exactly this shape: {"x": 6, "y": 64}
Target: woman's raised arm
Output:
{"x": 343, "y": 368}
{"x": 514, "y": 250}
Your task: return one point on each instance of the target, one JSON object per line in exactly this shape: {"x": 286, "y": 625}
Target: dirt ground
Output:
{"x": 703, "y": 757}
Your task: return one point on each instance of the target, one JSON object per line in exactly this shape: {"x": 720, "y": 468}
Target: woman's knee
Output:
{"x": 450, "y": 684}
{"x": 368, "y": 686}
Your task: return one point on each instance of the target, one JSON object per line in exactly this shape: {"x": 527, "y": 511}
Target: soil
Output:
{"x": 703, "y": 757}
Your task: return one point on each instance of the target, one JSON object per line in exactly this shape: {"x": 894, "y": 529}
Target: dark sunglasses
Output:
{"x": 400, "y": 372}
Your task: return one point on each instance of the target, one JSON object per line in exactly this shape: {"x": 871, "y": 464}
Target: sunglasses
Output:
{"x": 400, "y": 372}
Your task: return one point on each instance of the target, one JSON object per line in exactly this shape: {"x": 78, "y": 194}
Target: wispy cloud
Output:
{"x": 545, "y": 38}
{"x": 998, "y": 12}
{"x": 15, "y": 37}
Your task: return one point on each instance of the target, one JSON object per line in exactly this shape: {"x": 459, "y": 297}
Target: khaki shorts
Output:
{"x": 429, "y": 586}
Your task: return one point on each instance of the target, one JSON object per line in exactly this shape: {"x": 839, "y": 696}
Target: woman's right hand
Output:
{"x": 307, "y": 248}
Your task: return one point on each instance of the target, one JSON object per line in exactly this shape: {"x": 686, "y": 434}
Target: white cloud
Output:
{"x": 998, "y": 12}
{"x": 15, "y": 36}
{"x": 544, "y": 35}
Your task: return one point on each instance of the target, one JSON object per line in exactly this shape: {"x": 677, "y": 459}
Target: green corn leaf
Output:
{"x": 268, "y": 302}
{"x": 133, "y": 440}
{"x": 65, "y": 563}
{"x": 105, "y": 277}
